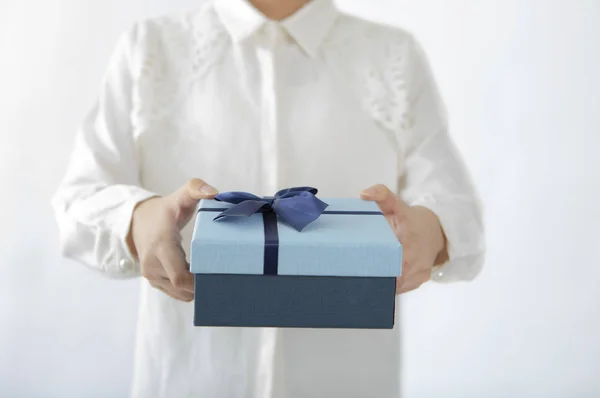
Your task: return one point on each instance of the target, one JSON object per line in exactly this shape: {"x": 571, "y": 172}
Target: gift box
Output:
{"x": 293, "y": 260}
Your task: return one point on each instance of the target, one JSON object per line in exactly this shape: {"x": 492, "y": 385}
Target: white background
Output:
{"x": 521, "y": 79}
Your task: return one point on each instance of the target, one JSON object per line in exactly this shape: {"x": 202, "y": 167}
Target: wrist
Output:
{"x": 442, "y": 256}
{"x": 135, "y": 220}
{"x": 437, "y": 235}
{"x": 442, "y": 242}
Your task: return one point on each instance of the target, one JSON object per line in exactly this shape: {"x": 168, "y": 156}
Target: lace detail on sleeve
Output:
{"x": 382, "y": 71}
{"x": 174, "y": 52}
{"x": 210, "y": 40}
{"x": 385, "y": 87}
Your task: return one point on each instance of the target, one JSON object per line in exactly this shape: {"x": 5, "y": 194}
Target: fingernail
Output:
{"x": 370, "y": 192}
{"x": 208, "y": 190}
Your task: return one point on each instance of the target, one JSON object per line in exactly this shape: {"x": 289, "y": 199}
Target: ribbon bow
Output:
{"x": 297, "y": 207}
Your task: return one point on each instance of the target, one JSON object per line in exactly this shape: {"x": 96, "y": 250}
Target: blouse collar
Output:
{"x": 308, "y": 26}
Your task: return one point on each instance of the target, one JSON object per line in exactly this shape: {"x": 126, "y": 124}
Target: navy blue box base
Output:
{"x": 294, "y": 301}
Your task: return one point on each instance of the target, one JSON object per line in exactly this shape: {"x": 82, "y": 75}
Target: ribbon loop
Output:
{"x": 297, "y": 206}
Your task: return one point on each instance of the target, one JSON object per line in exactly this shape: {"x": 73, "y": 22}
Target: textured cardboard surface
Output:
{"x": 333, "y": 245}
{"x": 294, "y": 301}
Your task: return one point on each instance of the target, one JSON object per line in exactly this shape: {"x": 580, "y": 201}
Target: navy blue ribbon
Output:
{"x": 271, "y": 256}
{"x": 297, "y": 207}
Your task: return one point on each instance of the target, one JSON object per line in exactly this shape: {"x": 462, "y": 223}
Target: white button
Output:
{"x": 125, "y": 264}
{"x": 440, "y": 274}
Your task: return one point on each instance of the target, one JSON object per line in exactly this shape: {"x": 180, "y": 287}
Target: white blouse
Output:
{"x": 222, "y": 93}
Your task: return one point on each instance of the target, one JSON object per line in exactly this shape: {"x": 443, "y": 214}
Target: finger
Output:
{"x": 399, "y": 283}
{"x": 408, "y": 288}
{"x": 409, "y": 260}
{"x": 172, "y": 259}
{"x": 151, "y": 267}
{"x": 164, "y": 286}
{"x": 407, "y": 283}
{"x": 188, "y": 196}
{"x": 388, "y": 202}
{"x": 180, "y": 294}
{"x": 153, "y": 270}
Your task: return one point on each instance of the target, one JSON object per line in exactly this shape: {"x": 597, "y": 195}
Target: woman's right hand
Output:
{"x": 156, "y": 240}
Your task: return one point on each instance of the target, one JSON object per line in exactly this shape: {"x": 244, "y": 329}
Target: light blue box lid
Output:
{"x": 361, "y": 245}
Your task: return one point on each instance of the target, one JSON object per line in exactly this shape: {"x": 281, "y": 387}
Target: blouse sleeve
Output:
{"x": 434, "y": 175}
{"x": 95, "y": 201}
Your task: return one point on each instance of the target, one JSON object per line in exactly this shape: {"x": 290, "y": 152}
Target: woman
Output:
{"x": 257, "y": 96}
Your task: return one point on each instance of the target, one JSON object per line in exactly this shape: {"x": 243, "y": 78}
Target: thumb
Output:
{"x": 187, "y": 197}
{"x": 388, "y": 202}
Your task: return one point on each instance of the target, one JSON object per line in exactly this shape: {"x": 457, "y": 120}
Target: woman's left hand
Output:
{"x": 419, "y": 231}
